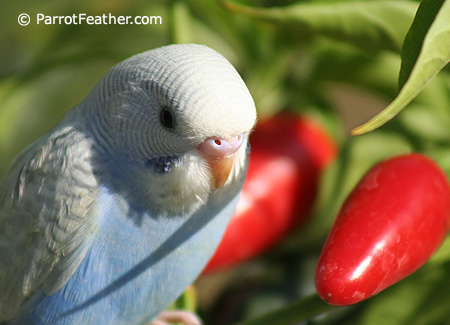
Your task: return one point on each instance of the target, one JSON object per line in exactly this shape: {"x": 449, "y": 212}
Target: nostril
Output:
{"x": 217, "y": 147}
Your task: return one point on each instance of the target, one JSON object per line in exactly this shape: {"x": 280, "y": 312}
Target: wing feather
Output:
{"x": 47, "y": 216}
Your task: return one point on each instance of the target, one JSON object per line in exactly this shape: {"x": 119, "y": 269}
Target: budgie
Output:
{"x": 108, "y": 217}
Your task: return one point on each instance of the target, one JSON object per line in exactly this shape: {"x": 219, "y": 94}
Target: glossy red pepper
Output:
{"x": 390, "y": 225}
{"x": 287, "y": 155}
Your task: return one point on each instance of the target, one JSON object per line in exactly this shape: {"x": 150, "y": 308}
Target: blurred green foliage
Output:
{"x": 291, "y": 55}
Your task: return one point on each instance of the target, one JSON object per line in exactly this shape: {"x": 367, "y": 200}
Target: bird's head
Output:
{"x": 173, "y": 125}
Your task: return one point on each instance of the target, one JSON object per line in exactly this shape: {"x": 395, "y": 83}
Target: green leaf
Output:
{"x": 343, "y": 64}
{"x": 372, "y": 25}
{"x": 433, "y": 57}
{"x": 414, "y": 39}
{"x": 298, "y": 311}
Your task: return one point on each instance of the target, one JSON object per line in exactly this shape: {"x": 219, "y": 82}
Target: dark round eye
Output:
{"x": 166, "y": 118}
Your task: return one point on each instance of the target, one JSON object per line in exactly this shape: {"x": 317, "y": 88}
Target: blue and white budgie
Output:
{"x": 113, "y": 213}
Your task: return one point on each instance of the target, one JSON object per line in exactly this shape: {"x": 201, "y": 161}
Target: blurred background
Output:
{"x": 333, "y": 62}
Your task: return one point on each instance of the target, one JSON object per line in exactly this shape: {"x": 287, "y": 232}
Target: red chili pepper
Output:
{"x": 287, "y": 155}
{"x": 390, "y": 225}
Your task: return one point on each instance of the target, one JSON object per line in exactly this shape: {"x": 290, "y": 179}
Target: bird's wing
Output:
{"x": 47, "y": 216}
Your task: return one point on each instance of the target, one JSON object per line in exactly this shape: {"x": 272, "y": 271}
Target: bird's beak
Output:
{"x": 220, "y": 155}
{"x": 220, "y": 169}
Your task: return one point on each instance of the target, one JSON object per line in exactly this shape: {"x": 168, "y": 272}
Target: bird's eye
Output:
{"x": 166, "y": 118}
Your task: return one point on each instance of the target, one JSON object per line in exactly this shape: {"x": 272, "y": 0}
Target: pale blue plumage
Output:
{"x": 142, "y": 285}
{"x": 109, "y": 217}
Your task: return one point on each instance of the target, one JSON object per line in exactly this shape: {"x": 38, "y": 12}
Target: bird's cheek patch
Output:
{"x": 162, "y": 165}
